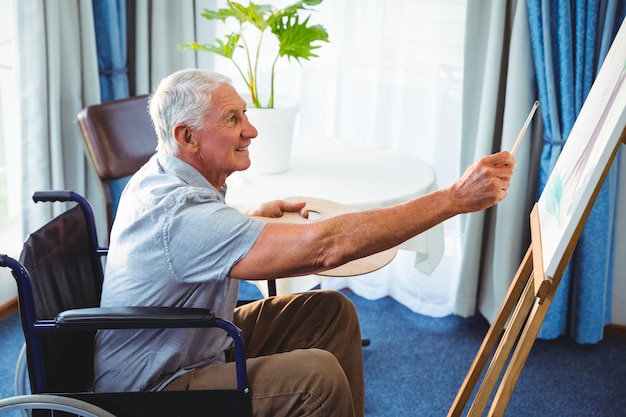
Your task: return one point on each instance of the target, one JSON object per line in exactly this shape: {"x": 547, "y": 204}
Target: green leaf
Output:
{"x": 255, "y": 14}
{"x": 296, "y": 39}
{"x": 225, "y": 49}
{"x": 221, "y": 14}
{"x": 293, "y": 9}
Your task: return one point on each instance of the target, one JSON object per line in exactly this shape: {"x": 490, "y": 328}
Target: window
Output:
{"x": 391, "y": 75}
{"x": 5, "y": 74}
{"x": 10, "y": 233}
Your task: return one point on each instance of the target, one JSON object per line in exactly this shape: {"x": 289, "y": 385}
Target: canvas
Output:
{"x": 589, "y": 148}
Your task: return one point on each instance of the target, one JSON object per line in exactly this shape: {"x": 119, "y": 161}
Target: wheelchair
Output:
{"x": 59, "y": 279}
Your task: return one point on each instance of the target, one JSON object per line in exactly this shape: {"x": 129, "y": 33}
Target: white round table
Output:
{"x": 362, "y": 178}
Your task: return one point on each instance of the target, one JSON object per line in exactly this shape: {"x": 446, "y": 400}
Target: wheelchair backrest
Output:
{"x": 64, "y": 273}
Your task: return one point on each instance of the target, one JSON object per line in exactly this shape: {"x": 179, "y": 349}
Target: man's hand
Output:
{"x": 277, "y": 208}
{"x": 484, "y": 183}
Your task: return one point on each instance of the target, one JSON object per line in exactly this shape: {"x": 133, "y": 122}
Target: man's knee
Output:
{"x": 309, "y": 380}
{"x": 327, "y": 378}
{"x": 323, "y": 364}
{"x": 338, "y": 302}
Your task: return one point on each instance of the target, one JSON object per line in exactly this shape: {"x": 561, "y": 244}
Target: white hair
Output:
{"x": 182, "y": 97}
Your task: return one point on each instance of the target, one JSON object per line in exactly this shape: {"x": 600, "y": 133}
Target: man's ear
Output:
{"x": 183, "y": 135}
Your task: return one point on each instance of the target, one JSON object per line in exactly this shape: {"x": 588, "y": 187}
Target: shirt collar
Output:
{"x": 186, "y": 172}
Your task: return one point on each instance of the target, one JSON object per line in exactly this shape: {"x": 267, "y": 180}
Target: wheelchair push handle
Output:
{"x": 55, "y": 195}
{"x": 63, "y": 195}
{"x": 66, "y": 195}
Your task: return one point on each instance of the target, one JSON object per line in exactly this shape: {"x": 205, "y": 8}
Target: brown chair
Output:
{"x": 119, "y": 138}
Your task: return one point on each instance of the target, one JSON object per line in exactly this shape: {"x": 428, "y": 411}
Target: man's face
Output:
{"x": 223, "y": 141}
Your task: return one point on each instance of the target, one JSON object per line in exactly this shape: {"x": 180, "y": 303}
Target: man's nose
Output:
{"x": 250, "y": 131}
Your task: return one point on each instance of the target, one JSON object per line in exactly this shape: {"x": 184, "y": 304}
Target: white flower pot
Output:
{"x": 270, "y": 151}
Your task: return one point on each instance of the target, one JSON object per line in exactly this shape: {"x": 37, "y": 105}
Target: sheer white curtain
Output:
{"x": 160, "y": 25}
{"x": 392, "y": 75}
{"x": 401, "y": 74}
{"x": 58, "y": 76}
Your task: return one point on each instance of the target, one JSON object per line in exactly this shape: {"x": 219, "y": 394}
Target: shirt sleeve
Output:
{"x": 203, "y": 240}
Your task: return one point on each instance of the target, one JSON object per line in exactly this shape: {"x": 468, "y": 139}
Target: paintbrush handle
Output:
{"x": 525, "y": 127}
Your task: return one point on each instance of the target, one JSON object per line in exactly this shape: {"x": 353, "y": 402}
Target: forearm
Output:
{"x": 361, "y": 234}
{"x": 290, "y": 250}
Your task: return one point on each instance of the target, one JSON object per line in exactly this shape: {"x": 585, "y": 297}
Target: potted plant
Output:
{"x": 297, "y": 39}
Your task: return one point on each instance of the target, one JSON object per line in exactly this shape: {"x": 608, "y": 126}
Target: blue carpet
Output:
{"x": 12, "y": 340}
{"x": 416, "y": 364}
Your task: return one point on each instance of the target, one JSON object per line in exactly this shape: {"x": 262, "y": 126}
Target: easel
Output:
{"x": 524, "y": 309}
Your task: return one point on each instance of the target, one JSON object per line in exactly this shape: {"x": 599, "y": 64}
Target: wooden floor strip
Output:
{"x": 8, "y": 308}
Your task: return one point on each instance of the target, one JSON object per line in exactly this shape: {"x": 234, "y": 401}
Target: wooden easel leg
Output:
{"x": 493, "y": 336}
{"x": 520, "y": 355}
{"x": 502, "y": 353}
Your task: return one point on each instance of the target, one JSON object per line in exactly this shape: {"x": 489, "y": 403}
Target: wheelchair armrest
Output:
{"x": 155, "y": 318}
{"x": 134, "y": 318}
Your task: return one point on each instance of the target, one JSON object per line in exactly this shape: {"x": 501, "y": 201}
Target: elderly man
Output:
{"x": 175, "y": 242}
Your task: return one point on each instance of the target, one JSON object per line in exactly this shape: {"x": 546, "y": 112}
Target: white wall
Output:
{"x": 8, "y": 289}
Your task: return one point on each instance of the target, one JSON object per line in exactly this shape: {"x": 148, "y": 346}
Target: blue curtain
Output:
{"x": 110, "y": 26}
{"x": 570, "y": 39}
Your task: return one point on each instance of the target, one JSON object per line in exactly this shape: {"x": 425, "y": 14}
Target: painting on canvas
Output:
{"x": 587, "y": 151}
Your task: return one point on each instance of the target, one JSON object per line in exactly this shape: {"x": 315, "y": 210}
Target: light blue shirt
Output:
{"x": 173, "y": 243}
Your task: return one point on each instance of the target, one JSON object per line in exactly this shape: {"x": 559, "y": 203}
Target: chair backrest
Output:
{"x": 62, "y": 272}
{"x": 119, "y": 138}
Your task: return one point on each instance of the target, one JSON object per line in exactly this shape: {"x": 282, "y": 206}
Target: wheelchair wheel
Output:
{"x": 21, "y": 374}
{"x": 52, "y": 402}
{"x": 21, "y": 378}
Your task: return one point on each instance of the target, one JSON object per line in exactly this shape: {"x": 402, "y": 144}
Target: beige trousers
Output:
{"x": 304, "y": 357}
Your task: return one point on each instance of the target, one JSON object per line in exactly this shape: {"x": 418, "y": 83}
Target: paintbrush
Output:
{"x": 526, "y": 124}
